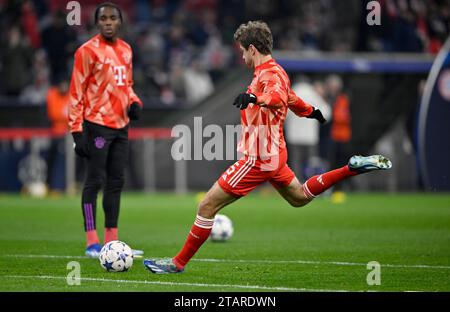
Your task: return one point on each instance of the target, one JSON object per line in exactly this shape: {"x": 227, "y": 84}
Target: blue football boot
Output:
{"x": 93, "y": 251}
{"x": 161, "y": 266}
{"x": 362, "y": 164}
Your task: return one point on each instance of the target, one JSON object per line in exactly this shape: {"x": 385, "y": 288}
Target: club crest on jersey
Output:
{"x": 99, "y": 142}
{"x": 126, "y": 58}
{"x": 96, "y": 43}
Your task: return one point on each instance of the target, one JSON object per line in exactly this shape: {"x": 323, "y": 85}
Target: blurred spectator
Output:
{"x": 177, "y": 83}
{"x": 40, "y": 7}
{"x": 57, "y": 111}
{"x": 16, "y": 55}
{"x": 215, "y": 57}
{"x": 149, "y": 59}
{"x": 37, "y": 92}
{"x": 202, "y": 26}
{"x": 198, "y": 83}
{"x": 150, "y": 47}
{"x": 406, "y": 26}
{"x": 30, "y": 24}
{"x": 59, "y": 41}
{"x": 341, "y": 128}
{"x": 302, "y": 133}
{"x": 166, "y": 35}
{"x": 178, "y": 49}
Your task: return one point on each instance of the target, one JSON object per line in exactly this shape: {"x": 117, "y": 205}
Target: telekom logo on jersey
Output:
{"x": 120, "y": 75}
{"x": 214, "y": 142}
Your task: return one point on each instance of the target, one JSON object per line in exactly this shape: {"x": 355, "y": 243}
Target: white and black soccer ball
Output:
{"x": 222, "y": 229}
{"x": 116, "y": 256}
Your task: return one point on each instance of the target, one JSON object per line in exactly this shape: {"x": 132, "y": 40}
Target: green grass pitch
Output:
{"x": 320, "y": 247}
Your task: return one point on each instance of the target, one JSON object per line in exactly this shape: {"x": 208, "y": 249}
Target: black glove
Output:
{"x": 134, "y": 112}
{"x": 243, "y": 99}
{"x": 79, "y": 144}
{"x": 317, "y": 114}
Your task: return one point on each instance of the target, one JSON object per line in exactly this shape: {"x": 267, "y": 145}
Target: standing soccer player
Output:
{"x": 263, "y": 111}
{"x": 102, "y": 102}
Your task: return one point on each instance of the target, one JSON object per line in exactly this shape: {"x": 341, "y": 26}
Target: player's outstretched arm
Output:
{"x": 244, "y": 99}
{"x": 134, "y": 112}
{"x": 303, "y": 109}
{"x": 317, "y": 114}
{"x": 272, "y": 96}
{"x": 270, "y": 100}
{"x": 135, "y": 108}
{"x": 82, "y": 68}
{"x": 274, "y": 93}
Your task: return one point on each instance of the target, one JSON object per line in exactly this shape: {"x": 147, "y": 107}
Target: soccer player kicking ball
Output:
{"x": 263, "y": 110}
{"x": 102, "y": 102}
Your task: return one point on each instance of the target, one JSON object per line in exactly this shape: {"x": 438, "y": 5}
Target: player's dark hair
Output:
{"x": 107, "y": 5}
{"x": 256, "y": 33}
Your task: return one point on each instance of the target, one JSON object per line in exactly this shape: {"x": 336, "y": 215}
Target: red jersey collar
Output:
{"x": 100, "y": 37}
{"x": 266, "y": 64}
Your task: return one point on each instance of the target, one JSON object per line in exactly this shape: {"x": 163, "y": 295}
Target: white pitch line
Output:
{"x": 90, "y": 279}
{"x": 47, "y": 256}
{"x": 412, "y": 266}
{"x": 416, "y": 266}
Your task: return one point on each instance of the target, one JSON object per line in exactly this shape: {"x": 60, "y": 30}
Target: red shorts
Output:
{"x": 249, "y": 172}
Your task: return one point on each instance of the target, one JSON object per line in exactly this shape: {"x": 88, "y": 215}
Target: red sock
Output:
{"x": 91, "y": 237}
{"x": 111, "y": 234}
{"x": 197, "y": 236}
{"x": 320, "y": 183}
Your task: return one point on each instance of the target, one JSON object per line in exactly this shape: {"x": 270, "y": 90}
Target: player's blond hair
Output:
{"x": 256, "y": 33}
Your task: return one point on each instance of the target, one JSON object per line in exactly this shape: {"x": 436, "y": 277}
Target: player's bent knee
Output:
{"x": 207, "y": 209}
{"x": 297, "y": 198}
{"x": 115, "y": 184}
{"x": 297, "y": 203}
{"x": 93, "y": 184}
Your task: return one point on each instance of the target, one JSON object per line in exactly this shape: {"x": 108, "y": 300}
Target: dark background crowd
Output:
{"x": 181, "y": 44}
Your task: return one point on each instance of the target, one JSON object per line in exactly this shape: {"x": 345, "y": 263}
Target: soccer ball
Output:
{"x": 37, "y": 189}
{"x": 116, "y": 256}
{"x": 222, "y": 229}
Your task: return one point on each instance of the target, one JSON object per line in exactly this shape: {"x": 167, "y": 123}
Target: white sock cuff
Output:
{"x": 204, "y": 223}
{"x": 307, "y": 192}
